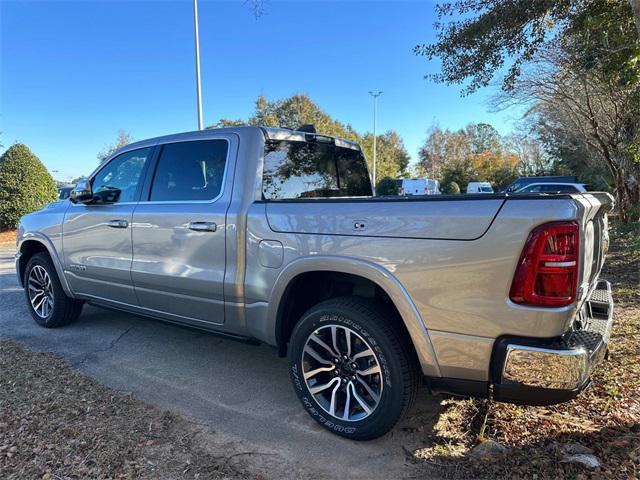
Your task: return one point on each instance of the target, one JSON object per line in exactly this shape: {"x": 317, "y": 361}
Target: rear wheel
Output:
{"x": 352, "y": 367}
{"x": 48, "y": 304}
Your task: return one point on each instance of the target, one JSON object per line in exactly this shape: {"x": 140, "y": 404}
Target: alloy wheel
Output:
{"x": 40, "y": 291}
{"x": 342, "y": 372}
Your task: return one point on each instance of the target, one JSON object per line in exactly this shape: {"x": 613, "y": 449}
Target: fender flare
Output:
{"x": 53, "y": 254}
{"x": 372, "y": 272}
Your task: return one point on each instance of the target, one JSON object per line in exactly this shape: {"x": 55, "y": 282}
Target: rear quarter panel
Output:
{"x": 460, "y": 288}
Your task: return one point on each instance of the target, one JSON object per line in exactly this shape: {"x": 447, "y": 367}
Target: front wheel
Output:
{"x": 48, "y": 304}
{"x": 352, "y": 367}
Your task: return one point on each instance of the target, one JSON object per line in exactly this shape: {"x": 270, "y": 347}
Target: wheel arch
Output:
{"x": 36, "y": 243}
{"x": 363, "y": 273}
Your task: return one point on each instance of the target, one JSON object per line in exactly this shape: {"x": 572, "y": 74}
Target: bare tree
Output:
{"x": 124, "y": 138}
{"x": 533, "y": 159}
{"x": 588, "y": 105}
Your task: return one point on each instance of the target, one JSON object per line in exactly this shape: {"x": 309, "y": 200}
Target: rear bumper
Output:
{"x": 544, "y": 371}
{"x": 548, "y": 371}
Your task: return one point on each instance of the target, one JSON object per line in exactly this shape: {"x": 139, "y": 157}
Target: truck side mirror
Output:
{"x": 82, "y": 192}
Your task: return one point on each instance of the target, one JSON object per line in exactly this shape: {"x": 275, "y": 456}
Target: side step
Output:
{"x": 600, "y": 302}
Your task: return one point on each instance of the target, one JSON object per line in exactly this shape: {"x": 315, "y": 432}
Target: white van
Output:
{"x": 479, "y": 187}
{"x": 418, "y": 186}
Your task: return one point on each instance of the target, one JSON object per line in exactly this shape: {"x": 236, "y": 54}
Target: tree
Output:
{"x": 569, "y": 154}
{"x": 124, "y": 138}
{"x": 635, "y": 6}
{"x": 476, "y": 152}
{"x": 589, "y": 107}
{"x": 77, "y": 179}
{"x": 489, "y": 34}
{"x": 483, "y": 138}
{"x": 296, "y": 110}
{"x": 387, "y": 186}
{"x": 25, "y": 185}
{"x": 392, "y": 158}
{"x": 226, "y": 122}
{"x": 574, "y": 64}
{"x": 534, "y": 156}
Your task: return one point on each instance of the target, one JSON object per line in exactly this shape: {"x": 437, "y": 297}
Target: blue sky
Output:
{"x": 74, "y": 73}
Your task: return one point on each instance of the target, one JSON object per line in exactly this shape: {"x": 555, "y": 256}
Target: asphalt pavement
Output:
{"x": 239, "y": 391}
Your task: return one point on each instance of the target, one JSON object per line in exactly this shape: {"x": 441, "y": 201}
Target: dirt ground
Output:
{"x": 7, "y": 237}
{"x": 56, "y": 423}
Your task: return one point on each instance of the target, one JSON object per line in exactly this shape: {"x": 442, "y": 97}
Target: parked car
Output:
{"x": 64, "y": 192}
{"x": 554, "y": 188}
{"x": 524, "y": 181}
{"x": 273, "y": 235}
{"x": 418, "y": 186}
{"x": 479, "y": 187}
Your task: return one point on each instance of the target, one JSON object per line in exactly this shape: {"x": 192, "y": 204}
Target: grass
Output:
{"x": 605, "y": 418}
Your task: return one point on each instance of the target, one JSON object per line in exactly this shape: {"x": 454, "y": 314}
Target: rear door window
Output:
{"x": 190, "y": 171}
{"x": 313, "y": 170}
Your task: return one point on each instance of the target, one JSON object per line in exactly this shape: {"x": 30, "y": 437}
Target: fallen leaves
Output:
{"x": 56, "y": 423}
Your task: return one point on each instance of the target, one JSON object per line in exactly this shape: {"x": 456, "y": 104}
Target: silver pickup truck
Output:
{"x": 274, "y": 236}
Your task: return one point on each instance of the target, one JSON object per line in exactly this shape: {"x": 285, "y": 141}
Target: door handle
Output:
{"x": 202, "y": 226}
{"x": 118, "y": 223}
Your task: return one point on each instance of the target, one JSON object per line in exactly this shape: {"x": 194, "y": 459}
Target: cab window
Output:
{"x": 118, "y": 181}
{"x": 190, "y": 171}
{"x": 294, "y": 170}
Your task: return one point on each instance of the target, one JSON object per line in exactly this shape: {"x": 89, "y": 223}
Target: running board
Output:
{"x": 188, "y": 326}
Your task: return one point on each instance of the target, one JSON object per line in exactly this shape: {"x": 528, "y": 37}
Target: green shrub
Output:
{"x": 25, "y": 185}
{"x": 451, "y": 188}
{"x": 387, "y": 186}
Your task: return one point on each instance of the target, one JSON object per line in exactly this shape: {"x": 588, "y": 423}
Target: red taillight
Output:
{"x": 547, "y": 273}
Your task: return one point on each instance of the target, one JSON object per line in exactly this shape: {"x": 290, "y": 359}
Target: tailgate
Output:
{"x": 593, "y": 208}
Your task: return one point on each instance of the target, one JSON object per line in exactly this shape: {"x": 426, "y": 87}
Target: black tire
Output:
{"x": 394, "y": 356}
{"x": 65, "y": 310}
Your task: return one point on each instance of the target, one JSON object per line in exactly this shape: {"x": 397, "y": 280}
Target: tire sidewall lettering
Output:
{"x": 309, "y": 403}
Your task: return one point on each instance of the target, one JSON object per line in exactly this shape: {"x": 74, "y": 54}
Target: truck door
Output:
{"x": 97, "y": 236}
{"x": 179, "y": 231}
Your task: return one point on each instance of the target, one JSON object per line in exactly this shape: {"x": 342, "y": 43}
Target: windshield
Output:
{"x": 313, "y": 170}
{"x": 486, "y": 189}
{"x": 515, "y": 186}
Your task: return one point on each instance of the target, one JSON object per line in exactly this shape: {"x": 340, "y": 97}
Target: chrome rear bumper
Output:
{"x": 547, "y": 371}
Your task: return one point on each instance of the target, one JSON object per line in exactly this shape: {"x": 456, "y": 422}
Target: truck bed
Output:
{"x": 436, "y": 217}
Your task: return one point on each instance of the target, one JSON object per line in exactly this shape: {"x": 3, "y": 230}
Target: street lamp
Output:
{"x": 198, "y": 86}
{"x": 375, "y": 94}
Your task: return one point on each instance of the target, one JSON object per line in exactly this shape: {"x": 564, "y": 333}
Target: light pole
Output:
{"x": 198, "y": 86}
{"x": 375, "y": 94}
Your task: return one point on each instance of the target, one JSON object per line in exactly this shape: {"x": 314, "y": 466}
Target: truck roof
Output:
{"x": 270, "y": 133}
